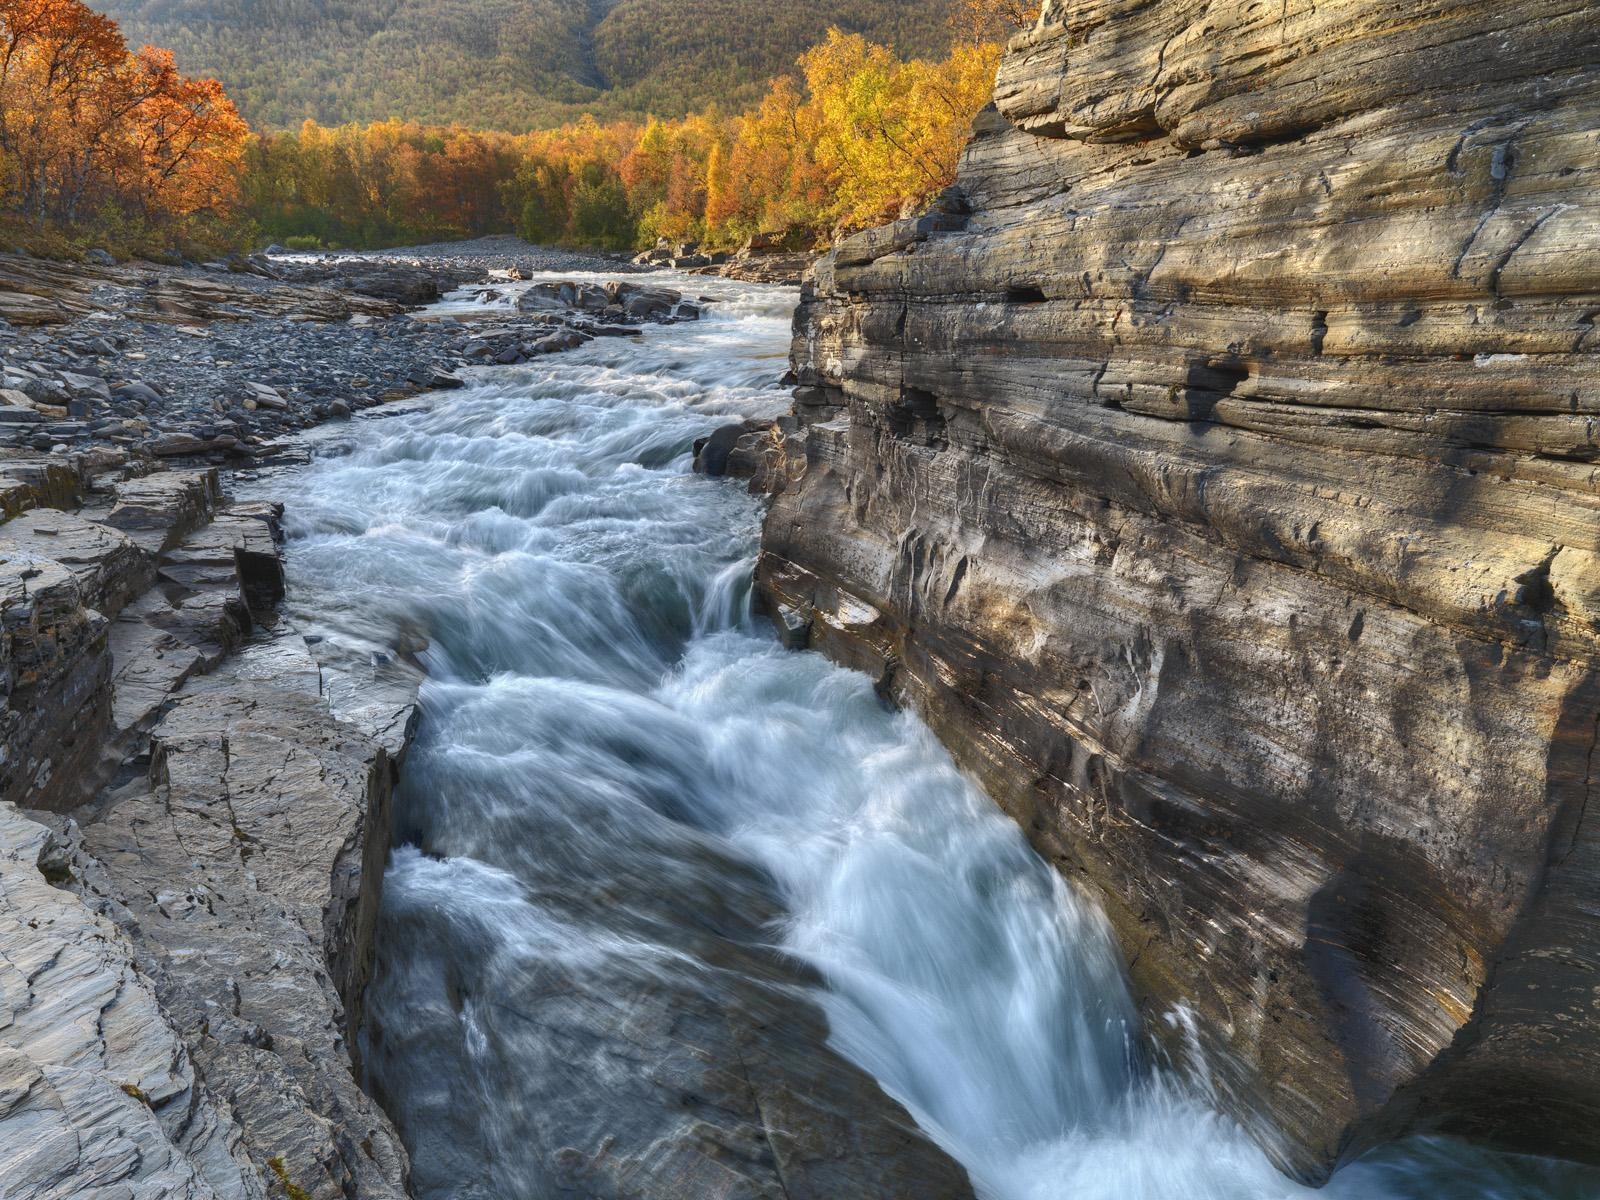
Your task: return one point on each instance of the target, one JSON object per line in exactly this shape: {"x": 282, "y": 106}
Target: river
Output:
{"x": 614, "y": 753}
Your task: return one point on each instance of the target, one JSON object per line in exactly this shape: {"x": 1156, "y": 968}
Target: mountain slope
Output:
{"x": 503, "y": 64}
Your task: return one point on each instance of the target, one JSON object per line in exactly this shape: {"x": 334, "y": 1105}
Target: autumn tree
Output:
{"x": 184, "y": 140}
{"x": 56, "y": 59}
{"x": 86, "y": 125}
{"x": 887, "y": 133}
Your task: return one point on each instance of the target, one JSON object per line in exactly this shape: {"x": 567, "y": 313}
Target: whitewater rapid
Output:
{"x": 611, "y": 743}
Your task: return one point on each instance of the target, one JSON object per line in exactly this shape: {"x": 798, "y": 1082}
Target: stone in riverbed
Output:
{"x": 739, "y": 450}
{"x": 88, "y": 387}
{"x": 46, "y": 391}
{"x": 168, "y": 445}
{"x": 645, "y": 304}
{"x": 138, "y": 393}
{"x": 431, "y": 375}
{"x": 265, "y": 396}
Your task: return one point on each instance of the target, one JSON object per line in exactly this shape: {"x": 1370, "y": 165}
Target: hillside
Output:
{"x": 503, "y": 64}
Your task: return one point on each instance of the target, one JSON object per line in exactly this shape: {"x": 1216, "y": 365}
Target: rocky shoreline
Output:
{"x": 229, "y": 359}
{"x": 194, "y": 797}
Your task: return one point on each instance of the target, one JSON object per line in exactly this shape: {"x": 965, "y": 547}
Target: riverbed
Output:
{"x": 626, "y": 802}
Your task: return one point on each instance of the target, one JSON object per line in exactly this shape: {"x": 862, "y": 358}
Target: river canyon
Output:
{"x": 674, "y": 911}
{"x": 1090, "y": 696}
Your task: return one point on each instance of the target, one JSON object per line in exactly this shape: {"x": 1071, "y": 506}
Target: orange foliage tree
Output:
{"x": 86, "y": 126}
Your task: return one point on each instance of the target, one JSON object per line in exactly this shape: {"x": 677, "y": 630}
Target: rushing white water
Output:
{"x": 610, "y": 739}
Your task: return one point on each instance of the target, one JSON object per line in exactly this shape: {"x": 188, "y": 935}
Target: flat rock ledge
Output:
{"x": 187, "y": 903}
{"x": 1215, "y": 469}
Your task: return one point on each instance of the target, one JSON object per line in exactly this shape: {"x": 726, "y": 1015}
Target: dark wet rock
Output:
{"x": 718, "y": 1080}
{"x": 58, "y": 683}
{"x": 649, "y": 303}
{"x": 739, "y": 450}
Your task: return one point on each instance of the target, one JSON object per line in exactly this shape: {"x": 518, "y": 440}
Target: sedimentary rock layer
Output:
{"x": 1216, "y": 471}
{"x": 182, "y": 961}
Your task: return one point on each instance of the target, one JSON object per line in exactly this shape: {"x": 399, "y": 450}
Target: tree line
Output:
{"x": 858, "y": 136}
{"x": 119, "y": 146}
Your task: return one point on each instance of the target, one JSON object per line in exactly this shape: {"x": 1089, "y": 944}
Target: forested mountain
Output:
{"x": 505, "y": 64}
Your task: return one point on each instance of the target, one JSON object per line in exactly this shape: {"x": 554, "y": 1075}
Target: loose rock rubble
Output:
{"x": 764, "y": 258}
{"x": 226, "y": 360}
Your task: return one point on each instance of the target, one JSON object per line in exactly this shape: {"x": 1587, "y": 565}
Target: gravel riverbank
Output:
{"x": 224, "y": 359}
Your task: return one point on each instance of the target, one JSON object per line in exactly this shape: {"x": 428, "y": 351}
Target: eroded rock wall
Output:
{"x": 1216, "y": 471}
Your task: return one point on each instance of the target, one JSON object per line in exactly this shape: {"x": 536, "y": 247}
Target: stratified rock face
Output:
{"x": 1224, "y": 494}
{"x": 245, "y": 872}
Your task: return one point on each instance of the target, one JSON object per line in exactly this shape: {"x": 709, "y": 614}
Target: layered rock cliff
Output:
{"x": 1215, "y": 470}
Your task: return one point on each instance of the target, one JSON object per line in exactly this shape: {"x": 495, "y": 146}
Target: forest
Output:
{"x": 509, "y": 65}
{"x": 104, "y": 145}
{"x": 860, "y": 136}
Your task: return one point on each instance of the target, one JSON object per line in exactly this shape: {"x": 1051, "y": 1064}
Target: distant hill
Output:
{"x": 505, "y": 64}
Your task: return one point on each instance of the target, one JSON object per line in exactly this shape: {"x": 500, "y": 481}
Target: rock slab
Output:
{"x": 183, "y": 959}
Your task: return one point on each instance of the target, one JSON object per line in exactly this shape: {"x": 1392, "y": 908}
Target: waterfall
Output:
{"x": 619, "y": 770}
